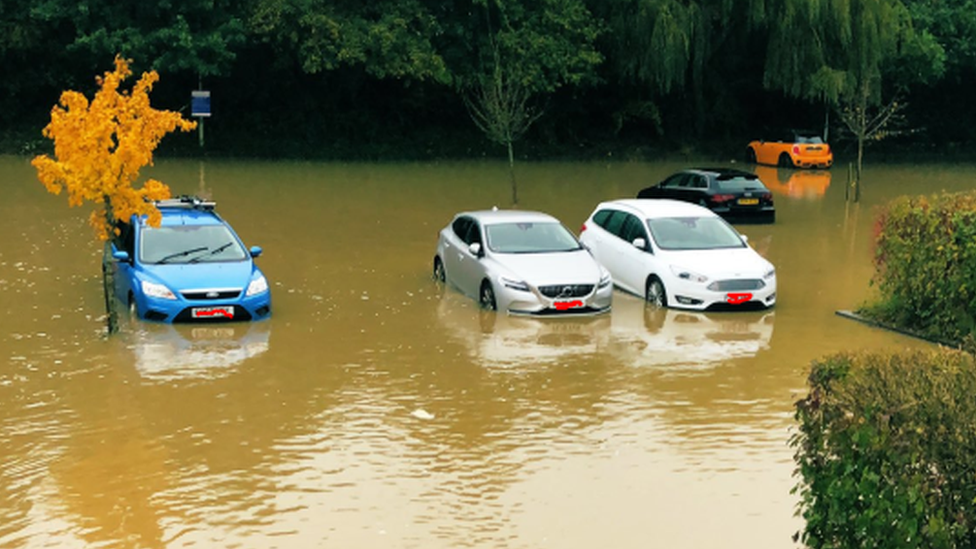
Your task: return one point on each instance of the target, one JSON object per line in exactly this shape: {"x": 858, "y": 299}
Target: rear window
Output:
{"x": 739, "y": 183}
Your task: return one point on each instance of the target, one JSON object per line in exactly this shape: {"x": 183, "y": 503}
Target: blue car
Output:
{"x": 192, "y": 268}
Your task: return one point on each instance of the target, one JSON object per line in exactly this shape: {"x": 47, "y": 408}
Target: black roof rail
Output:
{"x": 188, "y": 202}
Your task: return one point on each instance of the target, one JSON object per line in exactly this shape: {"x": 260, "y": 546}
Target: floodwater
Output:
{"x": 375, "y": 409}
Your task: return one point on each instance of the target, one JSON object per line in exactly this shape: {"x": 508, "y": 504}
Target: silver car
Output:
{"x": 521, "y": 262}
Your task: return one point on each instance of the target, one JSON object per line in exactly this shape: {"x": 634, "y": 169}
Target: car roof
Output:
{"x": 660, "y": 207}
{"x": 724, "y": 172}
{"x": 175, "y": 216}
{"x": 488, "y": 217}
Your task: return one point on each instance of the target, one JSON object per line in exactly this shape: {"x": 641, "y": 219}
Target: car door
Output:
{"x": 631, "y": 261}
{"x": 470, "y": 268}
{"x": 452, "y": 241}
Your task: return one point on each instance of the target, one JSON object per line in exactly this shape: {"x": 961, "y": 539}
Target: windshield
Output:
{"x": 190, "y": 244}
{"x": 693, "y": 233}
{"x": 534, "y": 237}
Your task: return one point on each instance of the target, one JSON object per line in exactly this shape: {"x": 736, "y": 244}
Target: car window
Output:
{"x": 190, "y": 244}
{"x": 699, "y": 182}
{"x": 740, "y": 183}
{"x": 674, "y": 181}
{"x": 632, "y": 228}
{"x": 615, "y": 222}
{"x": 460, "y": 227}
{"x": 601, "y": 217}
{"x": 693, "y": 233}
{"x": 534, "y": 237}
{"x": 474, "y": 233}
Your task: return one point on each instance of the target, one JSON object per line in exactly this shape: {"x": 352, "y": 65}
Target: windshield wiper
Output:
{"x": 214, "y": 251}
{"x": 183, "y": 253}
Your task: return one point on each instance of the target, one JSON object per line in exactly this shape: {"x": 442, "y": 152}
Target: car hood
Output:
{"x": 721, "y": 264}
{"x": 576, "y": 267}
{"x": 224, "y": 274}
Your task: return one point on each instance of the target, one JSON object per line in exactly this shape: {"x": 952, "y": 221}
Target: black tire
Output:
{"x": 785, "y": 161}
{"x": 655, "y": 293}
{"x": 750, "y": 155}
{"x": 486, "y": 297}
{"x": 439, "y": 274}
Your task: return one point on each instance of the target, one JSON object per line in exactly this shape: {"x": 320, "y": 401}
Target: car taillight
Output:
{"x": 767, "y": 196}
{"x": 796, "y": 149}
{"x": 722, "y": 198}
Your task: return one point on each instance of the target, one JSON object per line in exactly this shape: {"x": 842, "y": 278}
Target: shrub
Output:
{"x": 925, "y": 259}
{"x": 886, "y": 451}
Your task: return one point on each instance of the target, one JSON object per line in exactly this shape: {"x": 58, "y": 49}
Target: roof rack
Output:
{"x": 188, "y": 202}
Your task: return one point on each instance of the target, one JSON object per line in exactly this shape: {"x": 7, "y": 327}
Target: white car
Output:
{"x": 676, "y": 254}
{"x": 521, "y": 262}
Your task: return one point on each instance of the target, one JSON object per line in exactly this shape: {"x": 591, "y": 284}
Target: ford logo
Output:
{"x": 213, "y": 295}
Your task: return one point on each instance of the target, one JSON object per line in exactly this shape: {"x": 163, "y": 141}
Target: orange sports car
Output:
{"x": 797, "y": 150}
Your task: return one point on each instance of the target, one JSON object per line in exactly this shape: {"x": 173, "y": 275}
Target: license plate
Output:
{"x": 737, "y": 298}
{"x": 748, "y": 201}
{"x": 213, "y": 312}
{"x": 564, "y": 305}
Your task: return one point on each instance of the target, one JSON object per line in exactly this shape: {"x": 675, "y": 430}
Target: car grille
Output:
{"x": 566, "y": 290}
{"x": 204, "y": 295}
{"x": 736, "y": 284}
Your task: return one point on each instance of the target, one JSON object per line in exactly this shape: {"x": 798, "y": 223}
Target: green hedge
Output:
{"x": 886, "y": 451}
{"x": 925, "y": 258}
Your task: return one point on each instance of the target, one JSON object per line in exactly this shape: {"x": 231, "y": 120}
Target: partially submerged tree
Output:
{"x": 526, "y": 49}
{"x": 99, "y": 148}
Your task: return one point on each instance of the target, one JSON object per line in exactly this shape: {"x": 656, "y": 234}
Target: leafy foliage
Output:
{"x": 100, "y": 146}
{"x": 885, "y": 451}
{"x": 925, "y": 259}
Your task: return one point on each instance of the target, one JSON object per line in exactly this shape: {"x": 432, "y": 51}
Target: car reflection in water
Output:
{"x": 506, "y": 341}
{"x": 809, "y": 184}
{"x": 643, "y": 335}
{"x": 167, "y": 352}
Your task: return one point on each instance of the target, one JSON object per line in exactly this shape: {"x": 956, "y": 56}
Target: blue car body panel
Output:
{"x": 202, "y": 291}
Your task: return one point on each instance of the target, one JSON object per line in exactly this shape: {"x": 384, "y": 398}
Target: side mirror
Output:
{"x": 120, "y": 255}
{"x": 640, "y": 243}
{"x": 475, "y": 249}
{"x": 256, "y": 251}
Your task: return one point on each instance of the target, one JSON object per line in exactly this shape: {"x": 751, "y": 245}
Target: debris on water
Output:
{"x": 420, "y": 413}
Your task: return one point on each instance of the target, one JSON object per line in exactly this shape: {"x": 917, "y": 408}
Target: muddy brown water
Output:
{"x": 377, "y": 410}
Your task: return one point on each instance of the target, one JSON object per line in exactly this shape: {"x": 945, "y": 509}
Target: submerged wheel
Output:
{"x": 133, "y": 309}
{"x": 785, "y": 161}
{"x": 750, "y": 155}
{"x": 486, "y": 297}
{"x": 439, "y": 274}
{"x": 655, "y": 292}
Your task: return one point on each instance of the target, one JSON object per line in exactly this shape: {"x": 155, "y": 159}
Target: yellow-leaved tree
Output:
{"x": 100, "y": 146}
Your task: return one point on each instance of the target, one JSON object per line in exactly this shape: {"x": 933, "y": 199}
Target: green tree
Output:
{"x": 525, "y": 49}
{"x": 851, "y": 55}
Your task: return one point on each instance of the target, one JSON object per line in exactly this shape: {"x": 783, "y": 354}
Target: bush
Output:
{"x": 925, "y": 259}
{"x": 886, "y": 451}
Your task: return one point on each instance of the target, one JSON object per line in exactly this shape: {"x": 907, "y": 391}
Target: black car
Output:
{"x": 727, "y": 192}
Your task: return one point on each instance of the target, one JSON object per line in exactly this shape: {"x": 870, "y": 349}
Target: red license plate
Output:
{"x": 564, "y": 305}
{"x": 213, "y": 312}
{"x": 735, "y": 299}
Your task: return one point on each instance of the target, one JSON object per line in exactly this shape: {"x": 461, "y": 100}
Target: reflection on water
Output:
{"x": 500, "y": 339}
{"x": 811, "y": 184}
{"x": 167, "y": 351}
{"x": 649, "y": 336}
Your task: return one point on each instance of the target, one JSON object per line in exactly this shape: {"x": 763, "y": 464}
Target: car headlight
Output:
{"x": 151, "y": 289}
{"x": 514, "y": 284}
{"x": 604, "y": 280}
{"x": 769, "y": 274}
{"x": 257, "y": 286}
{"x": 685, "y": 274}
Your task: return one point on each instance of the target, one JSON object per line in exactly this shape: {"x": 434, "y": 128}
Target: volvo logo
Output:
{"x": 567, "y": 291}
{"x": 213, "y": 295}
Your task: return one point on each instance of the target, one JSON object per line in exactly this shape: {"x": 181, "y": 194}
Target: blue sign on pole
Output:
{"x": 200, "y": 103}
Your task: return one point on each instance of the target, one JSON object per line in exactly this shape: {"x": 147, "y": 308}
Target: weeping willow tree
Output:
{"x": 857, "y": 56}
{"x": 670, "y": 46}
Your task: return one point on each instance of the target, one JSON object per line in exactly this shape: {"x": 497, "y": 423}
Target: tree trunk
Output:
{"x": 511, "y": 174}
{"x": 108, "y": 285}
